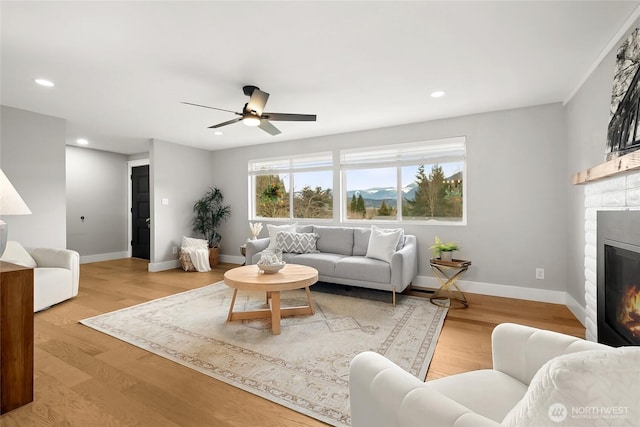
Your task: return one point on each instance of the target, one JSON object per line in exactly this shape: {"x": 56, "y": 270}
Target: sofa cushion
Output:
{"x": 305, "y": 228}
{"x": 324, "y": 263}
{"x": 16, "y": 254}
{"x": 334, "y": 240}
{"x": 273, "y": 232}
{"x": 301, "y": 243}
{"x": 362, "y": 268}
{"x": 606, "y": 379}
{"x": 382, "y": 243}
{"x": 487, "y": 392}
{"x": 361, "y": 241}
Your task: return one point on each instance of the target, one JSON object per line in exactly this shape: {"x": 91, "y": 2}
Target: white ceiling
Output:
{"x": 122, "y": 68}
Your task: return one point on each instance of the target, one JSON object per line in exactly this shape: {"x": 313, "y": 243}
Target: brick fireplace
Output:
{"x": 619, "y": 192}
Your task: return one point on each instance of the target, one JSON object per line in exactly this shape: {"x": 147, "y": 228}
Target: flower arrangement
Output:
{"x": 271, "y": 257}
{"x": 256, "y": 228}
{"x": 440, "y": 247}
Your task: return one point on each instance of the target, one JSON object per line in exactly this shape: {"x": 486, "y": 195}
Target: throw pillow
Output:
{"x": 273, "y": 233}
{"x": 568, "y": 385}
{"x": 298, "y": 243}
{"x": 16, "y": 254}
{"x": 190, "y": 241}
{"x": 382, "y": 243}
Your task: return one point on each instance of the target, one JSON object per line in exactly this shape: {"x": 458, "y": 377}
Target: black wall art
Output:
{"x": 623, "y": 135}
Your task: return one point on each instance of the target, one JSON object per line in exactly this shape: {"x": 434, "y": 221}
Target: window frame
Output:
{"x": 430, "y": 152}
{"x": 338, "y": 162}
{"x": 289, "y": 165}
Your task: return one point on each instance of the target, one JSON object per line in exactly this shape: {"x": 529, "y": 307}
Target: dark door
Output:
{"x": 140, "y": 221}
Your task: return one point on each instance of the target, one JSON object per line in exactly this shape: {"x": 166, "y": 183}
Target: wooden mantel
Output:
{"x": 621, "y": 164}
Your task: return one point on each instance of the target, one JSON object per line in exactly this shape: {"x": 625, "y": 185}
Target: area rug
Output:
{"x": 306, "y": 367}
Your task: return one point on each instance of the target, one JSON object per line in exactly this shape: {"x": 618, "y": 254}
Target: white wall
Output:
{"x": 97, "y": 188}
{"x": 32, "y": 155}
{"x": 517, "y": 209}
{"x": 181, "y": 175}
{"x": 587, "y": 117}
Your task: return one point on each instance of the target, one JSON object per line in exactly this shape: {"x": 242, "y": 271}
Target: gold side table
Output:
{"x": 449, "y": 293}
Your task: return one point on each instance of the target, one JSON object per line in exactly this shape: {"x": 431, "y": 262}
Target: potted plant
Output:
{"x": 209, "y": 216}
{"x": 442, "y": 250}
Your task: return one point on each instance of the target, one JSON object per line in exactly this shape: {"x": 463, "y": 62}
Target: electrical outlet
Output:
{"x": 174, "y": 250}
{"x": 540, "y": 273}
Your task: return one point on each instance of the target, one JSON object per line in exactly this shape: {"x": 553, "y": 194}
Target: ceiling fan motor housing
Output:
{"x": 248, "y": 90}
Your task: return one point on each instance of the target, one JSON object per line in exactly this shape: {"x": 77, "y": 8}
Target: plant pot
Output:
{"x": 213, "y": 256}
{"x": 446, "y": 256}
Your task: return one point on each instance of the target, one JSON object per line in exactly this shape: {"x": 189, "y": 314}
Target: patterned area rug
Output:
{"x": 306, "y": 368}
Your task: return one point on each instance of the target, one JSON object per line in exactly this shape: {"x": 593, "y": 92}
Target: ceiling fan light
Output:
{"x": 251, "y": 121}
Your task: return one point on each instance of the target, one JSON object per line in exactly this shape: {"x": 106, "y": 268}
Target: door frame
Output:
{"x": 132, "y": 164}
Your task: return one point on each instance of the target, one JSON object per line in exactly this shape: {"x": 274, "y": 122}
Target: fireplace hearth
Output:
{"x": 619, "y": 277}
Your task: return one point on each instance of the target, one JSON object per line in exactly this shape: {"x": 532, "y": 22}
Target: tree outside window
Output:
{"x": 272, "y": 198}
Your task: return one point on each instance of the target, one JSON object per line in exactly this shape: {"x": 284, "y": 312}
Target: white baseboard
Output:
{"x": 506, "y": 291}
{"x": 154, "y": 267}
{"x": 232, "y": 259}
{"x": 174, "y": 263}
{"x": 103, "y": 257}
{"x": 577, "y": 310}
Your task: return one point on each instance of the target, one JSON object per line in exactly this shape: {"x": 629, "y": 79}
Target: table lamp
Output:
{"x": 10, "y": 204}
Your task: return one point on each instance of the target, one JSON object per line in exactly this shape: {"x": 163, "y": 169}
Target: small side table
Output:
{"x": 446, "y": 296}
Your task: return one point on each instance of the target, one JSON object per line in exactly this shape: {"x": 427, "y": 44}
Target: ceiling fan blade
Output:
{"x": 283, "y": 117}
{"x": 219, "y": 125}
{"x": 257, "y": 101}
{"x": 213, "y": 108}
{"x": 268, "y": 127}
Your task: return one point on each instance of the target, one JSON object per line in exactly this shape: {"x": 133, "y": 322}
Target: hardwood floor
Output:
{"x": 86, "y": 378}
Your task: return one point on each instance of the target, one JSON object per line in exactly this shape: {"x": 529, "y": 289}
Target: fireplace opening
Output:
{"x": 622, "y": 291}
{"x": 619, "y": 277}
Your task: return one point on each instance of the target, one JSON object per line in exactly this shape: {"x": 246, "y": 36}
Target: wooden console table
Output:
{"x": 445, "y": 296}
{"x": 16, "y": 336}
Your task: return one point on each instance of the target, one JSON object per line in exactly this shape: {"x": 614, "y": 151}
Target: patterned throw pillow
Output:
{"x": 298, "y": 243}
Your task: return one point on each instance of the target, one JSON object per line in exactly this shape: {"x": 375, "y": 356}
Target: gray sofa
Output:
{"x": 341, "y": 258}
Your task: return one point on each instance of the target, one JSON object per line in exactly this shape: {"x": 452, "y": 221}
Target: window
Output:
{"x": 422, "y": 181}
{"x": 419, "y": 181}
{"x": 310, "y": 177}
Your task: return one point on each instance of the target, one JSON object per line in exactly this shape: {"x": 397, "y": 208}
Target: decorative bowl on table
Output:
{"x": 271, "y": 268}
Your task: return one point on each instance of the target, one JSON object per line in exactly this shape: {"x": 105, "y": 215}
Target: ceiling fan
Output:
{"x": 253, "y": 114}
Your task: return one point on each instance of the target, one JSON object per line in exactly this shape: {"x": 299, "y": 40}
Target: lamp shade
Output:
{"x": 10, "y": 204}
{"x": 10, "y": 201}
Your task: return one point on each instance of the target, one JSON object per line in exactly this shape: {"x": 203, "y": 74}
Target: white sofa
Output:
{"x": 341, "y": 258}
{"x": 520, "y": 390}
{"x": 56, "y": 272}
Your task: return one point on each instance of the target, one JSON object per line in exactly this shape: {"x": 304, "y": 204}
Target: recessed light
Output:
{"x": 217, "y": 133}
{"x": 82, "y": 141}
{"x": 44, "y": 82}
{"x": 437, "y": 94}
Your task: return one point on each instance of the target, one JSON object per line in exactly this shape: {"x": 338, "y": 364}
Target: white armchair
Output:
{"x": 56, "y": 272}
{"x": 517, "y": 391}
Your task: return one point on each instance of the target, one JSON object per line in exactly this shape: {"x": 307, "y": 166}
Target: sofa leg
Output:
{"x": 393, "y": 296}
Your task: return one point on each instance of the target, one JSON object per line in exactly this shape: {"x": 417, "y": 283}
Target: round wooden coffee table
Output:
{"x": 251, "y": 278}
